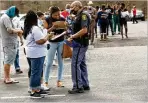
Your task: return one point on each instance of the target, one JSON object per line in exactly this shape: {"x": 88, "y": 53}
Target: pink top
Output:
{"x": 134, "y": 11}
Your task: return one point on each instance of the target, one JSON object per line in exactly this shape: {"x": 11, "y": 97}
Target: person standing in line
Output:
{"x": 92, "y": 12}
{"x": 103, "y": 21}
{"x": 116, "y": 19}
{"x": 9, "y": 41}
{"x": 122, "y": 18}
{"x": 109, "y": 10}
{"x": 97, "y": 10}
{"x": 16, "y": 23}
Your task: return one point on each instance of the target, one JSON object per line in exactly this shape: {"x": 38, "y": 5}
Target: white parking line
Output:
{"x": 23, "y": 97}
{"x": 65, "y": 76}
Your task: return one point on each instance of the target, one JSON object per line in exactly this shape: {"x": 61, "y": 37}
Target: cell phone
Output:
{"x": 22, "y": 28}
{"x": 48, "y": 46}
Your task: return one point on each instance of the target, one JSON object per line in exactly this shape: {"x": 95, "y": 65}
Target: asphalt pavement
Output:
{"x": 117, "y": 72}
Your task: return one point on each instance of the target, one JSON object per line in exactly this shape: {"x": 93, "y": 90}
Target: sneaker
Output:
{"x": 86, "y": 87}
{"x": 91, "y": 43}
{"x": 75, "y": 91}
{"x": 45, "y": 88}
{"x": 113, "y": 33}
{"x": 54, "y": 63}
{"x": 19, "y": 71}
{"x": 35, "y": 95}
{"x": 29, "y": 90}
{"x": 101, "y": 40}
{"x": 42, "y": 92}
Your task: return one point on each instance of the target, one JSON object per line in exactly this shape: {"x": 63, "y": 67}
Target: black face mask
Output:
{"x": 73, "y": 12}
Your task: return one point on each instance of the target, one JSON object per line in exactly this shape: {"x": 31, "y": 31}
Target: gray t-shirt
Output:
{"x": 7, "y": 38}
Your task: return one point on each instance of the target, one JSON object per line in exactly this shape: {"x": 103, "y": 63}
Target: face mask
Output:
{"x": 74, "y": 12}
{"x": 68, "y": 10}
{"x": 41, "y": 22}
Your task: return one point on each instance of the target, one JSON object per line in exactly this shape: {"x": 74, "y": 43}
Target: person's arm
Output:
{"x": 21, "y": 39}
{"x": 94, "y": 14}
{"x": 47, "y": 26}
{"x": 8, "y": 24}
{"x": 44, "y": 40}
{"x": 39, "y": 36}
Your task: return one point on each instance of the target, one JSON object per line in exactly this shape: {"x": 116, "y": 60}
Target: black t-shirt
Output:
{"x": 109, "y": 11}
{"x": 50, "y": 20}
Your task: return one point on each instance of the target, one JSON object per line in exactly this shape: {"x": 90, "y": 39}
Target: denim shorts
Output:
{"x": 10, "y": 54}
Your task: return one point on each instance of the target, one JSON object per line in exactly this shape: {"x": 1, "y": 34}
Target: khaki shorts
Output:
{"x": 10, "y": 54}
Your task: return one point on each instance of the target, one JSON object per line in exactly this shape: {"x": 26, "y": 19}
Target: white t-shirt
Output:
{"x": 16, "y": 22}
{"x": 124, "y": 14}
{"x": 17, "y": 25}
{"x": 33, "y": 50}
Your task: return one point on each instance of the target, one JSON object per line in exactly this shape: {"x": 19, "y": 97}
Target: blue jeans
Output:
{"x": 58, "y": 46}
{"x": 16, "y": 62}
{"x": 36, "y": 72}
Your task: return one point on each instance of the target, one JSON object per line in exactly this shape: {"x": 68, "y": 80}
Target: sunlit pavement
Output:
{"x": 117, "y": 73}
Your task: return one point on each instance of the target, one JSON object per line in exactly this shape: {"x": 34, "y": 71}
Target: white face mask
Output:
{"x": 68, "y": 10}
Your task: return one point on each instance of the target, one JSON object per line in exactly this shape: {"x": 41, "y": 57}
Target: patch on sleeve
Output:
{"x": 84, "y": 17}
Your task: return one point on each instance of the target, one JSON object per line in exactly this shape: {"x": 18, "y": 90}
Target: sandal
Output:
{"x": 11, "y": 81}
{"x": 60, "y": 84}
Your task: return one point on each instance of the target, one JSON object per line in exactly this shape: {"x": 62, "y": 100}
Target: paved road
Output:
{"x": 117, "y": 73}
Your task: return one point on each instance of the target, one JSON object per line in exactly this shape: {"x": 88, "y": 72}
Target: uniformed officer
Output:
{"x": 81, "y": 40}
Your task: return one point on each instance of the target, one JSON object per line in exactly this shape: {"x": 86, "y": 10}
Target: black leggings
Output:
{"x": 123, "y": 23}
{"x": 103, "y": 27}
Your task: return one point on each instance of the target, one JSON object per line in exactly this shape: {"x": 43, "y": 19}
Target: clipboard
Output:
{"x": 58, "y": 36}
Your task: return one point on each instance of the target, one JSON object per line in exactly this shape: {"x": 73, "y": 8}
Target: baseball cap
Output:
{"x": 17, "y": 12}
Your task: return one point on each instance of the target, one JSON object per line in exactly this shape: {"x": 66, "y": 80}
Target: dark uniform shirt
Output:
{"x": 82, "y": 20}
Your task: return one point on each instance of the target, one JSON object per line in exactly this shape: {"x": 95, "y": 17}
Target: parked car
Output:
{"x": 139, "y": 15}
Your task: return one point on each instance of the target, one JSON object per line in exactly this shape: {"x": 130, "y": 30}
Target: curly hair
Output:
{"x": 30, "y": 20}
